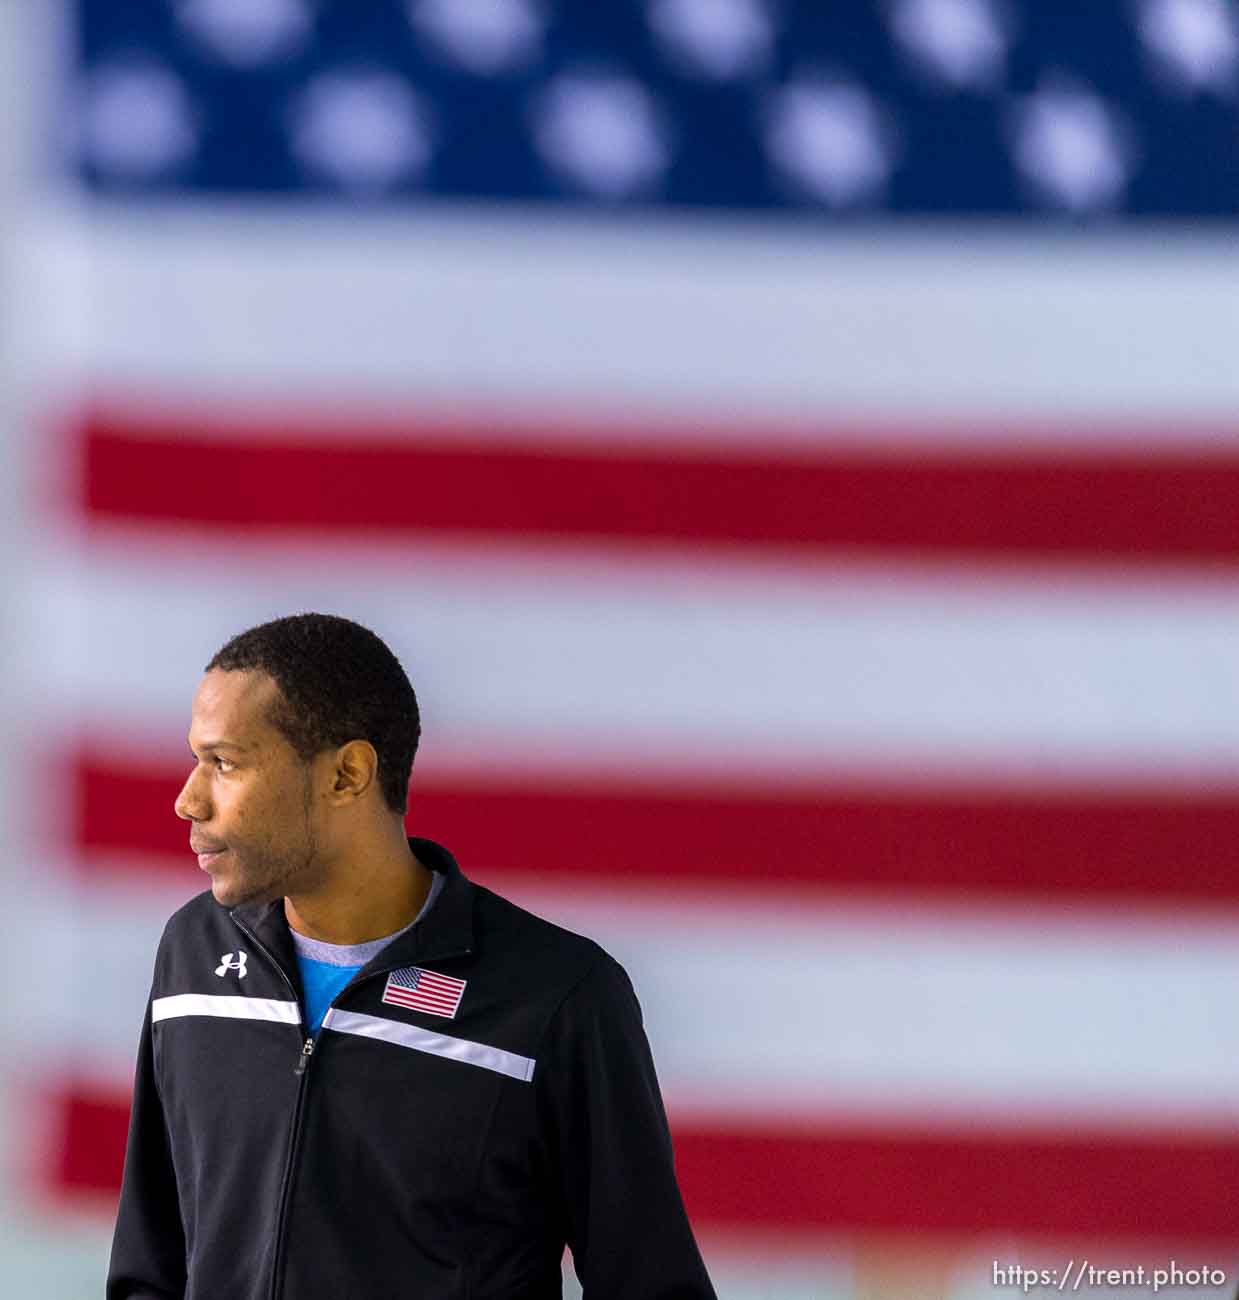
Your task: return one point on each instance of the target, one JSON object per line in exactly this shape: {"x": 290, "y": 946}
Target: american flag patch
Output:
{"x": 424, "y": 990}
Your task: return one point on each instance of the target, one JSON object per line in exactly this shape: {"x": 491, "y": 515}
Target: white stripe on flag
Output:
{"x": 813, "y": 666}
{"x": 723, "y": 322}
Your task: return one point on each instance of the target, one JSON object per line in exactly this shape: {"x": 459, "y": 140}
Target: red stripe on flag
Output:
{"x": 1179, "y": 846}
{"x": 1150, "y": 1185}
{"x": 90, "y": 1125}
{"x": 190, "y": 470}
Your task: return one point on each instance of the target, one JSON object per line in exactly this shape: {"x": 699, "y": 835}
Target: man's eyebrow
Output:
{"x": 210, "y": 746}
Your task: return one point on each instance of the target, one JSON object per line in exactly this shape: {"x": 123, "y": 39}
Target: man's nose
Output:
{"x": 191, "y": 804}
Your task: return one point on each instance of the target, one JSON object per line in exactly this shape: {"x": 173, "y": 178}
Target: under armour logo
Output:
{"x": 226, "y": 964}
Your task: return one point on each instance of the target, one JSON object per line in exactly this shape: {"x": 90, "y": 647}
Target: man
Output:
{"x": 361, "y": 1076}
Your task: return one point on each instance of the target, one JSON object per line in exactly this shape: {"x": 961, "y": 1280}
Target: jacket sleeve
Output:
{"x": 148, "y": 1246}
{"x": 626, "y": 1224}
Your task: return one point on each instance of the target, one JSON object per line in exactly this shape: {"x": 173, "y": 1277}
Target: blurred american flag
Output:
{"x": 828, "y": 606}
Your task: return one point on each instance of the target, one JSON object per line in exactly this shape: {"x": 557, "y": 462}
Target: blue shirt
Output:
{"x": 320, "y": 982}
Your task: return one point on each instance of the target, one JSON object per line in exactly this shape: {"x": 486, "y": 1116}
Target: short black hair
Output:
{"x": 339, "y": 682}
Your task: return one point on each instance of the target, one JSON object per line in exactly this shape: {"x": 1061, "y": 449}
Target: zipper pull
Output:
{"x": 304, "y": 1059}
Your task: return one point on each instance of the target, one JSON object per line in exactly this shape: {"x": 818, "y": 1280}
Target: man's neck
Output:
{"x": 366, "y": 899}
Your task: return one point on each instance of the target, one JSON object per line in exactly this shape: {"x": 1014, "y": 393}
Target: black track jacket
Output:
{"x": 399, "y": 1155}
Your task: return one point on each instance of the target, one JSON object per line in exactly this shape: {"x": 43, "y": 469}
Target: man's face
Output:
{"x": 249, "y": 798}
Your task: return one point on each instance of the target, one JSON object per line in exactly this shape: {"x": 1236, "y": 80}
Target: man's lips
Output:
{"x": 206, "y": 853}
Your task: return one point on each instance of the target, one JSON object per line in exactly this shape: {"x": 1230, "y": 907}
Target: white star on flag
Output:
{"x": 959, "y": 42}
{"x": 831, "y": 138}
{"x": 365, "y": 131}
{"x": 1072, "y": 148}
{"x": 720, "y": 39}
{"x": 485, "y": 37}
{"x": 136, "y": 120}
{"x": 247, "y": 32}
{"x": 603, "y": 132}
{"x": 1193, "y": 43}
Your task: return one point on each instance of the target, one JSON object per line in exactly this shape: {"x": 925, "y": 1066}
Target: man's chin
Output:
{"x": 234, "y": 893}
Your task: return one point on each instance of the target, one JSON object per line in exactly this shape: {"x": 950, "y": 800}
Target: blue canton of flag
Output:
{"x": 945, "y": 107}
{"x": 424, "y": 990}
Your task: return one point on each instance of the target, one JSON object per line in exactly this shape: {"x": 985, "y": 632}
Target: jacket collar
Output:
{"x": 445, "y": 931}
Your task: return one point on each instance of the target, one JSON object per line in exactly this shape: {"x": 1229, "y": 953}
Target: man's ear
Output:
{"x": 355, "y": 769}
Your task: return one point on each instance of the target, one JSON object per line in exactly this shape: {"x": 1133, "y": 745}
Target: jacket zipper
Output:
{"x": 300, "y": 1070}
{"x": 294, "y": 1143}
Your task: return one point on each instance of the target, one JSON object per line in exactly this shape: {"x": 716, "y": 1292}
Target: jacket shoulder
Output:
{"x": 556, "y": 950}
{"x": 200, "y": 921}
{"x": 190, "y": 916}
